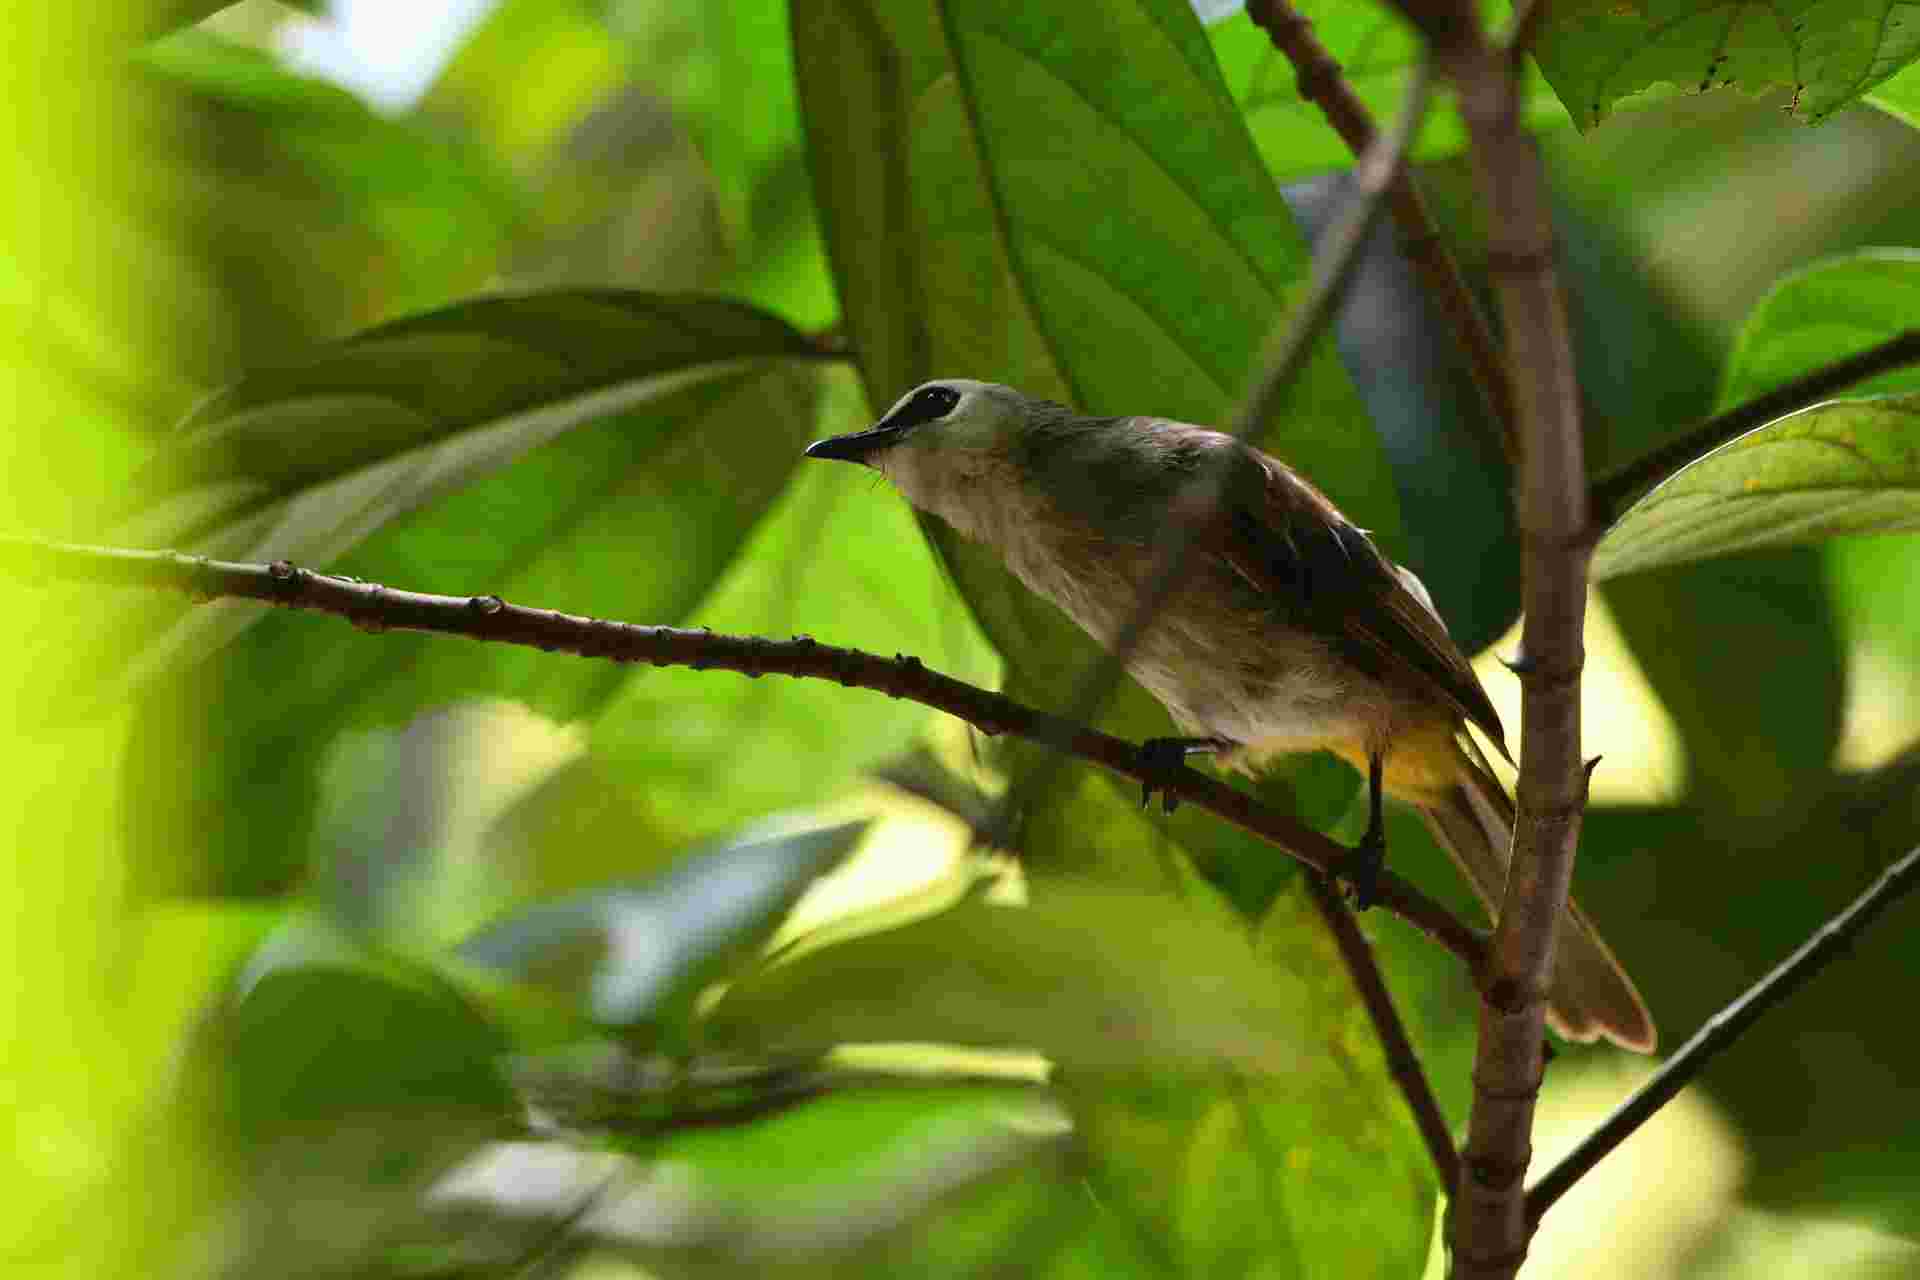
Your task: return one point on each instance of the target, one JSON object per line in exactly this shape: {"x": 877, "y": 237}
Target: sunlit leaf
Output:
{"x": 1899, "y": 97}
{"x": 1851, "y": 467}
{"x": 648, "y": 947}
{"x": 1846, "y": 467}
{"x": 1187, "y": 991}
{"x": 1597, "y": 53}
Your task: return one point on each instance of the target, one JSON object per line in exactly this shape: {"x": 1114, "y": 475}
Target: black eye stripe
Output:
{"x": 925, "y": 405}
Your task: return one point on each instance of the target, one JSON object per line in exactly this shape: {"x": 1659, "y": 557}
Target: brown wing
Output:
{"x": 1288, "y": 540}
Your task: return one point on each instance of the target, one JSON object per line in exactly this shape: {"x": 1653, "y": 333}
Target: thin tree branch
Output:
{"x": 1322, "y": 83}
{"x": 1402, "y": 1062}
{"x": 1612, "y": 493}
{"x": 1723, "y": 1029}
{"x": 375, "y": 607}
{"x": 1490, "y": 1224}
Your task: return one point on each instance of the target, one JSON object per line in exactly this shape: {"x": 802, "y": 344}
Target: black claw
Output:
{"x": 1366, "y": 861}
{"x": 1370, "y": 855}
{"x": 1164, "y": 759}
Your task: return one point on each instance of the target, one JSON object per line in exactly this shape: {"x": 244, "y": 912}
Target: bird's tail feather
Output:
{"x": 1591, "y": 996}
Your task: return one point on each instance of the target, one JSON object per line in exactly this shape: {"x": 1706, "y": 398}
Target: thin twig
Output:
{"x": 1285, "y": 356}
{"x": 1614, "y": 492}
{"x": 375, "y": 607}
{"x": 1723, "y": 1029}
{"x": 1490, "y": 1225}
{"x": 1322, "y": 83}
{"x": 1402, "y": 1062}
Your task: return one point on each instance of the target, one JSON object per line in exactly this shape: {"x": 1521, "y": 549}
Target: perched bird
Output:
{"x": 1287, "y": 631}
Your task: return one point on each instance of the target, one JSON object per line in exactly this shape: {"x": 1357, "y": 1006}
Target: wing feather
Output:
{"x": 1285, "y": 538}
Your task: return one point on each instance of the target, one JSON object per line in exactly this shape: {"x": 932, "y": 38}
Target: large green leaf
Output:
{"x": 306, "y": 460}
{"x": 1597, "y": 53}
{"x": 1377, "y": 51}
{"x": 1851, "y": 467}
{"x": 1845, "y": 467}
{"x": 1318, "y": 1172}
{"x": 578, "y": 523}
{"x": 1830, "y": 310}
{"x": 1188, "y": 991}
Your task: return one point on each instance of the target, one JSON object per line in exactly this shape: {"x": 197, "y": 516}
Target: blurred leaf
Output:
{"x": 728, "y": 71}
{"x": 1848, "y": 467}
{"x": 575, "y": 524}
{"x": 1899, "y": 97}
{"x": 1377, "y": 51}
{"x": 1708, "y": 635}
{"x": 1831, "y": 1060}
{"x": 828, "y": 560}
{"x": 811, "y": 1181}
{"x": 305, "y": 460}
{"x": 340, "y": 1087}
{"x": 525, "y": 74}
{"x": 438, "y": 207}
{"x": 1316, "y": 1171}
{"x": 644, "y": 950}
{"x": 1597, "y": 53}
{"x": 1833, "y": 309}
{"x": 1186, "y": 991}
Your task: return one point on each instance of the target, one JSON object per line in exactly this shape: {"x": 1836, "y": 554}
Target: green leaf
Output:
{"x": 1850, "y": 467}
{"x": 305, "y": 460}
{"x": 576, "y": 523}
{"x": 1377, "y": 52}
{"x": 1899, "y": 97}
{"x": 1833, "y": 309}
{"x": 1598, "y": 53}
{"x": 340, "y": 1085}
{"x": 651, "y": 946}
{"x": 1316, "y": 1172}
{"x": 1188, "y": 991}
{"x": 1845, "y": 467}
{"x": 439, "y": 209}
{"x": 806, "y": 1184}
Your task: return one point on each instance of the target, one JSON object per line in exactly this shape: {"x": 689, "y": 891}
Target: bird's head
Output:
{"x": 940, "y": 440}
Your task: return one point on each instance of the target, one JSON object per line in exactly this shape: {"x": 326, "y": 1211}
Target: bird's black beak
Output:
{"x": 857, "y": 446}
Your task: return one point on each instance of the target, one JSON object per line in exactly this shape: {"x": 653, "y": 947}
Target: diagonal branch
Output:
{"x": 1322, "y": 83}
{"x": 1723, "y": 1029}
{"x": 1402, "y": 1063}
{"x": 375, "y": 607}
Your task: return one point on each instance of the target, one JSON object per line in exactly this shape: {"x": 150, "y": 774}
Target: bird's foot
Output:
{"x": 1363, "y": 866}
{"x": 1163, "y": 759}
